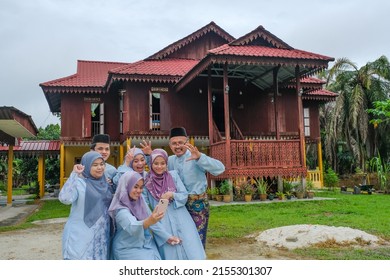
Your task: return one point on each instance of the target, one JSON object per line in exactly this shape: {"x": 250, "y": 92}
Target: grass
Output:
{"x": 365, "y": 212}
{"x": 370, "y": 213}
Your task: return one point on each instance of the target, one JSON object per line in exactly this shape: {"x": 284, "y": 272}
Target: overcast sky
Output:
{"x": 41, "y": 40}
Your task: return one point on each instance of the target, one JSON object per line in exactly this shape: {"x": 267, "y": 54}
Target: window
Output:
{"x": 97, "y": 118}
{"x": 306, "y": 121}
{"x": 154, "y": 108}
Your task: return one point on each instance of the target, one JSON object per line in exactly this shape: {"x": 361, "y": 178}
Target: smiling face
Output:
{"x": 97, "y": 168}
{"x": 136, "y": 191}
{"x": 103, "y": 149}
{"x": 159, "y": 165}
{"x": 139, "y": 163}
{"x": 177, "y": 145}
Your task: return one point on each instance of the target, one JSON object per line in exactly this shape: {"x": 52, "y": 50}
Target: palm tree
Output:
{"x": 348, "y": 120}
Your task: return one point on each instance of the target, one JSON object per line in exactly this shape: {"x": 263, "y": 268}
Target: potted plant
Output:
{"x": 287, "y": 186}
{"x": 280, "y": 195}
{"x": 309, "y": 188}
{"x": 225, "y": 189}
{"x": 299, "y": 193}
{"x": 213, "y": 192}
{"x": 288, "y": 195}
{"x": 248, "y": 191}
{"x": 262, "y": 188}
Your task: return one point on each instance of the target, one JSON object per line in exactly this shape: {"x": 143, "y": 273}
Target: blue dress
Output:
{"x": 80, "y": 242}
{"x": 132, "y": 242}
{"x": 178, "y": 222}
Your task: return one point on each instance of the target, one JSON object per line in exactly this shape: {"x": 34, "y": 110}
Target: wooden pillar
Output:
{"x": 210, "y": 105}
{"x": 128, "y": 144}
{"x": 276, "y": 100}
{"x": 62, "y": 165}
{"x": 41, "y": 174}
{"x": 300, "y": 116}
{"x": 10, "y": 172}
{"x": 121, "y": 153}
{"x": 226, "y": 114}
{"x": 320, "y": 165}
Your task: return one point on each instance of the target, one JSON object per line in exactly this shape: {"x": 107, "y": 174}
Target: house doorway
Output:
{"x": 218, "y": 111}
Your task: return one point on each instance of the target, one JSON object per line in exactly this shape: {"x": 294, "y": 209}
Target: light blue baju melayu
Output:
{"x": 193, "y": 175}
{"x": 110, "y": 172}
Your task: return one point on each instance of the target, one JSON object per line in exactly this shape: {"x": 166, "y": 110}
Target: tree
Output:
{"x": 348, "y": 120}
{"x": 380, "y": 112}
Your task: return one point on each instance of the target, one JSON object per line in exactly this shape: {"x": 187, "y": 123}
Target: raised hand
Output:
{"x": 129, "y": 155}
{"x": 78, "y": 168}
{"x": 146, "y": 147}
{"x": 195, "y": 154}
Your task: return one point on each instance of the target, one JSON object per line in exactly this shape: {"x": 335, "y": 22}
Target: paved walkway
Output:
{"x": 19, "y": 210}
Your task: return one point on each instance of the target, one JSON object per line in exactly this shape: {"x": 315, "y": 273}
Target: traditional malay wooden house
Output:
{"x": 251, "y": 102}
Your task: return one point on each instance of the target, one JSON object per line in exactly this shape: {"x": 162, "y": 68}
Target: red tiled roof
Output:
{"x": 35, "y": 145}
{"x": 261, "y": 51}
{"x": 89, "y": 74}
{"x": 323, "y": 92}
{"x": 319, "y": 94}
{"x": 155, "y": 70}
{"x": 312, "y": 80}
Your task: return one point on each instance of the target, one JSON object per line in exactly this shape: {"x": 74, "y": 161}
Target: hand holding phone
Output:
{"x": 162, "y": 205}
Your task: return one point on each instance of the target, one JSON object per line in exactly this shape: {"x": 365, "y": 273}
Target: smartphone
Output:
{"x": 162, "y": 205}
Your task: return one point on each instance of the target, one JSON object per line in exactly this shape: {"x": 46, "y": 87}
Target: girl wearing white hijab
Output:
{"x": 86, "y": 234}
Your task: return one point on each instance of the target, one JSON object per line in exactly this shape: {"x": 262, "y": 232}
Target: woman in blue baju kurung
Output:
{"x": 161, "y": 183}
{"x": 86, "y": 234}
{"x": 133, "y": 221}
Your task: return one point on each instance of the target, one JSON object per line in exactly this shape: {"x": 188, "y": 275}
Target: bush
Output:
{"x": 331, "y": 179}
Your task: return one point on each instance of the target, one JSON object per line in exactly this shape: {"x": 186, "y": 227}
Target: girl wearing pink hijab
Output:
{"x": 161, "y": 183}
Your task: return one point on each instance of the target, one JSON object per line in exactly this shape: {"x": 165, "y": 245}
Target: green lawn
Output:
{"x": 370, "y": 213}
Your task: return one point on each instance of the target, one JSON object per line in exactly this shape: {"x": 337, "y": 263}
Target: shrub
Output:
{"x": 331, "y": 179}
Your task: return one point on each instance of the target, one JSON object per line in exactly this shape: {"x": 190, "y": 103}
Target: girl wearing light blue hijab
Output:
{"x": 86, "y": 234}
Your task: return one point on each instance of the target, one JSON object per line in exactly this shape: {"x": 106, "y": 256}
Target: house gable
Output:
{"x": 260, "y": 37}
{"x": 195, "y": 45}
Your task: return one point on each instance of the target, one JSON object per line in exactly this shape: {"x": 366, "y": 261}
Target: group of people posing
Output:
{"x": 117, "y": 214}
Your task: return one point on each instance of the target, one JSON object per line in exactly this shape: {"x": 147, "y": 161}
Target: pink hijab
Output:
{"x": 159, "y": 184}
